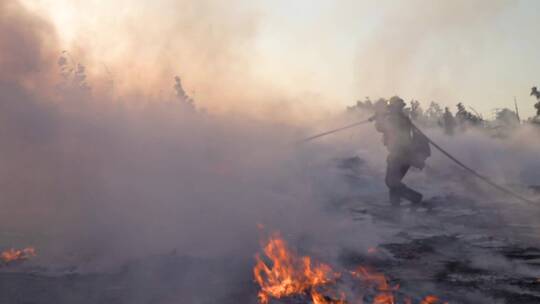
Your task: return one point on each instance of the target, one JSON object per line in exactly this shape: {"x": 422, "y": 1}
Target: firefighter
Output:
{"x": 449, "y": 122}
{"x": 406, "y": 148}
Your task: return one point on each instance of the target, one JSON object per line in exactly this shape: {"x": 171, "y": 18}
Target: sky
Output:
{"x": 287, "y": 55}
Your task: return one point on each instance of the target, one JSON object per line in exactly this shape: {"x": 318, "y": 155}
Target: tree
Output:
{"x": 366, "y": 105}
{"x": 73, "y": 73}
{"x": 506, "y": 117}
{"x": 536, "y": 93}
{"x": 181, "y": 93}
{"x": 465, "y": 117}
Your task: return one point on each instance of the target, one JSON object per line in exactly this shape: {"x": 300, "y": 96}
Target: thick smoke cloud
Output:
{"x": 208, "y": 43}
{"x": 27, "y": 45}
{"x": 95, "y": 182}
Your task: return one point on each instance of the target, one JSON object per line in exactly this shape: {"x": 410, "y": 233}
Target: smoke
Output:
{"x": 94, "y": 182}
{"x": 239, "y": 57}
{"x": 431, "y": 51}
{"x": 211, "y": 45}
{"x": 205, "y": 42}
{"x": 27, "y": 45}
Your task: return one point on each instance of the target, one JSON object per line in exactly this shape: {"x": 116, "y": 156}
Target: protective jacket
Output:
{"x": 402, "y": 139}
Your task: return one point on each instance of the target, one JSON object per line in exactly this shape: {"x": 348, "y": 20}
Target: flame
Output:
{"x": 287, "y": 274}
{"x": 291, "y": 275}
{"x": 373, "y": 250}
{"x": 12, "y": 255}
{"x": 386, "y": 292}
{"x": 430, "y": 300}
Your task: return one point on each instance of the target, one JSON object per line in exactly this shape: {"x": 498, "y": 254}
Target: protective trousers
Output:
{"x": 397, "y": 167}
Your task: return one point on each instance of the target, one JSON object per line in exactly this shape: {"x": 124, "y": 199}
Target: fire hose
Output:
{"x": 335, "y": 130}
{"x": 455, "y": 160}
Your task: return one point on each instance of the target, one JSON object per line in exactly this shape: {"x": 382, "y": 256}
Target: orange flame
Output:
{"x": 430, "y": 300}
{"x": 12, "y": 255}
{"x": 385, "y": 295}
{"x": 372, "y": 250}
{"x": 288, "y": 275}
